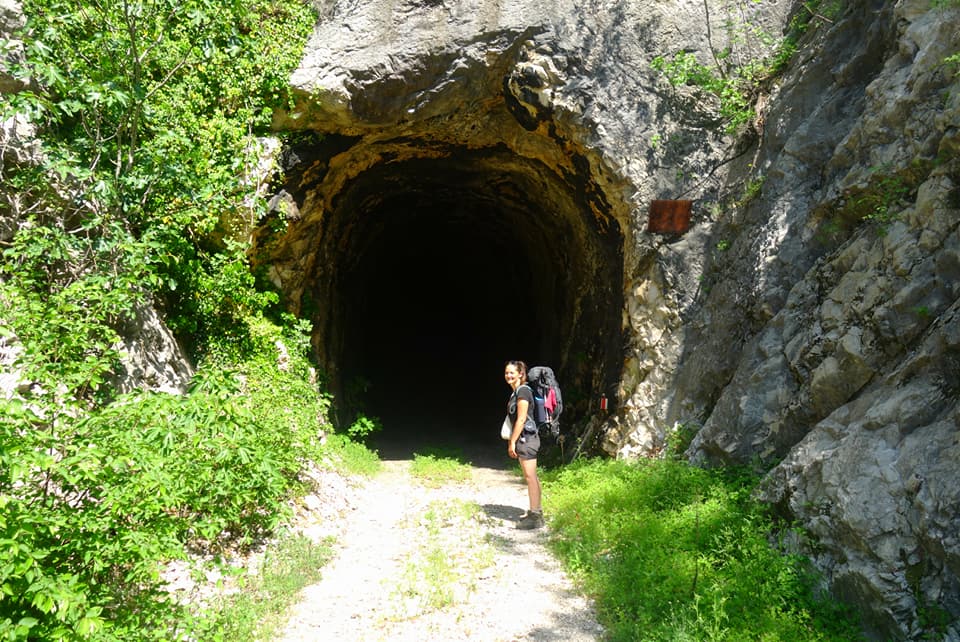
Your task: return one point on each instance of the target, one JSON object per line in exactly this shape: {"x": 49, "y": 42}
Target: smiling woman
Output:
{"x": 524, "y": 441}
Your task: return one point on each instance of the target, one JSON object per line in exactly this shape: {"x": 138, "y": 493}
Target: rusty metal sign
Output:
{"x": 669, "y": 217}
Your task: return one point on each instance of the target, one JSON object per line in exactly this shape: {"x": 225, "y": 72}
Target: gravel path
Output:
{"x": 420, "y": 564}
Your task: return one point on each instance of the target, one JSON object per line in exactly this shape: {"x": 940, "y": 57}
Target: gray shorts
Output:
{"x": 528, "y": 446}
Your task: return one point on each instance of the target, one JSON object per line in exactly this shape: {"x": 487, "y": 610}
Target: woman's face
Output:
{"x": 511, "y": 375}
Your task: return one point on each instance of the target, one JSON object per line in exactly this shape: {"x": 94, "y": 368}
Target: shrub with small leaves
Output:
{"x": 363, "y": 427}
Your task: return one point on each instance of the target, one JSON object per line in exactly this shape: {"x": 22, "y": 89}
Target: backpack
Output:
{"x": 547, "y": 400}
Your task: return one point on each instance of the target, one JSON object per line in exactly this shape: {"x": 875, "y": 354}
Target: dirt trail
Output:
{"x": 420, "y": 564}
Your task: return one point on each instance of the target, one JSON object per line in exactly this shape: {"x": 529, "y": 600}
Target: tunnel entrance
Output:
{"x": 425, "y": 275}
{"x": 429, "y": 315}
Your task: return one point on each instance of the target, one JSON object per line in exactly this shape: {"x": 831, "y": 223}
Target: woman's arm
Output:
{"x": 522, "y": 406}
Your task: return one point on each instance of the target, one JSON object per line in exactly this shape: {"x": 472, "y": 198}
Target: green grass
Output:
{"x": 674, "y": 552}
{"x": 257, "y": 612}
{"x": 449, "y": 557}
{"x": 351, "y": 457}
{"x": 437, "y": 468}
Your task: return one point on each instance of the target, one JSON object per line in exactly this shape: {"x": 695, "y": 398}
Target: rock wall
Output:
{"x": 567, "y": 101}
{"x": 783, "y": 328}
{"x": 846, "y": 373}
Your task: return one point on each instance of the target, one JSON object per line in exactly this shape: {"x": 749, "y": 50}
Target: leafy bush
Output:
{"x": 364, "y": 426}
{"x": 733, "y": 85}
{"x": 673, "y": 552}
{"x": 148, "y": 147}
{"x": 733, "y": 93}
{"x": 93, "y": 504}
{"x": 61, "y": 312}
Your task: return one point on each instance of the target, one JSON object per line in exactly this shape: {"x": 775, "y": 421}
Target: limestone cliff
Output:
{"x": 784, "y": 327}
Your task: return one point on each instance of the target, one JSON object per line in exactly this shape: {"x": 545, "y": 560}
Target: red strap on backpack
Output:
{"x": 550, "y": 401}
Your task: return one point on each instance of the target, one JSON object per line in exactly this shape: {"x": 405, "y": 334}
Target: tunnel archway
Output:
{"x": 424, "y": 274}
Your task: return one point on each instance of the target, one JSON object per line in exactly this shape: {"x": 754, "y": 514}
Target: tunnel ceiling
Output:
{"x": 422, "y": 275}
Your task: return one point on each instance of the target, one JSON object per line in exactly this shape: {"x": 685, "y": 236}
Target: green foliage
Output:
{"x": 61, "y": 309}
{"x": 144, "y": 147}
{"x": 752, "y": 190}
{"x": 341, "y": 453}
{"x": 879, "y": 203}
{"x": 674, "y": 552}
{"x": 953, "y": 60}
{"x": 363, "y": 427}
{"x": 934, "y": 620}
{"x": 93, "y": 502}
{"x": 148, "y": 146}
{"x": 678, "y": 439}
{"x": 885, "y": 195}
{"x": 148, "y": 112}
{"x": 736, "y": 85}
{"x": 733, "y": 92}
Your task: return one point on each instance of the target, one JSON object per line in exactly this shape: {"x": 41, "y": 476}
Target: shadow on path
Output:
{"x": 378, "y": 586}
{"x": 499, "y": 511}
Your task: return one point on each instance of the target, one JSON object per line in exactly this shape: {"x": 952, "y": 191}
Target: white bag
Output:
{"x": 506, "y": 429}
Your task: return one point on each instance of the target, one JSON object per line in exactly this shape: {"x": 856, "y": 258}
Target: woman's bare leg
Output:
{"x": 529, "y": 468}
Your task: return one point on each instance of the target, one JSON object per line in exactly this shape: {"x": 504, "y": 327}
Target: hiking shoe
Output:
{"x": 530, "y": 521}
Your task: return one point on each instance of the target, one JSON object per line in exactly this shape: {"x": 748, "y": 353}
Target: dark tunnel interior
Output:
{"x": 430, "y": 316}
{"x": 435, "y": 272}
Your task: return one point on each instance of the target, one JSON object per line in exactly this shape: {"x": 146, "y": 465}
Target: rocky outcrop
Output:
{"x": 11, "y": 19}
{"x": 851, "y": 383}
{"x": 845, "y": 300}
{"x": 783, "y": 327}
{"x": 151, "y": 357}
{"x": 545, "y": 130}
{"x": 18, "y": 142}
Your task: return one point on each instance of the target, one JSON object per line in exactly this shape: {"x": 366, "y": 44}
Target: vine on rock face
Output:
{"x": 735, "y": 84}
{"x": 147, "y": 111}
